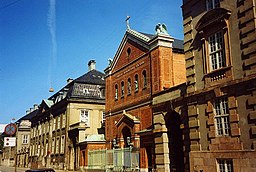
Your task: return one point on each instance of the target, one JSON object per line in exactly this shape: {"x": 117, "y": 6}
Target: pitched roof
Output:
{"x": 177, "y": 43}
{"x": 92, "y": 77}
{"x": 29, "y": 116}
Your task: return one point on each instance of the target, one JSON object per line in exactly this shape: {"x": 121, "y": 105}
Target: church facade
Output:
{"x": 143, "y": 66}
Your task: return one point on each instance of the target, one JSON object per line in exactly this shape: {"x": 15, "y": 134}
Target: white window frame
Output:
{"x": 136, "y": 82}
{"x": 217, "y": 57}
{"x": 57, "y": 145}
{"x": 225, "y": 165}
{"x": 62, "y": 144}
{"x": 53, "y": 146}
{"x": 58, "y": 122}
{"x": 25, "y": 138}
{"x": 122, "y": 89}
{"x": 221, "y": 112}
{"x": 85, "y": 117}
{"x": 129, "y": 86}
{"x": 212, "y": 4}
{"x": 103, "y": 117}
{"x": 54, "y": 124}
{"x": 63, "y": 121}
{"x": 116, "y": 92}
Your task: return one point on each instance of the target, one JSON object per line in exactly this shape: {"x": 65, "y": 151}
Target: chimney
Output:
{"x": 27, "y": 112}
{"x": 35, "y": 106}
{"x": 69, "y": 80}
{"x": 91, "y": 65}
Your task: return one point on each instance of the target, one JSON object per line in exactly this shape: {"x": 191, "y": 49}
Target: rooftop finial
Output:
{"x": 127, "y": 22}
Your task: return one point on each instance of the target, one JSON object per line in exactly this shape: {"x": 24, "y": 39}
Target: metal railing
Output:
{"x": 125, "y": 159}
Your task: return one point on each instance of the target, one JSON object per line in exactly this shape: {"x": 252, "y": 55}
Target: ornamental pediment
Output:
{"x": 128, "y": 119}
{"x": 212, "y": 17}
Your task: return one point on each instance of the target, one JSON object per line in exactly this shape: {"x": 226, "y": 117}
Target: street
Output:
{"x": 11, "y": 169}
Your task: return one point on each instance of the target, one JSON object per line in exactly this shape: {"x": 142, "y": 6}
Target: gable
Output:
{"x": 131, "y": 48}
{"x": 130, "y": 52}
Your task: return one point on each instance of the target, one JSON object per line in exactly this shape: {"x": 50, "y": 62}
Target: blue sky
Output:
{"x": 45, "y": 42}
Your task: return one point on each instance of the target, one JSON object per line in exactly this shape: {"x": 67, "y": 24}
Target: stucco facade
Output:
{"x": 66, "y": 119}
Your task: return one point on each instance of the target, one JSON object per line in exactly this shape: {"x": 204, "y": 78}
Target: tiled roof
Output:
{"x": 177, "y": 43}
{"x": 92, "y": 77}
{"x": 29, "y": 116}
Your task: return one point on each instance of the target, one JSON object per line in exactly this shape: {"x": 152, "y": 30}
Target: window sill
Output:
{"x": 218, "y": 76}
{"x": 217, "y": 71}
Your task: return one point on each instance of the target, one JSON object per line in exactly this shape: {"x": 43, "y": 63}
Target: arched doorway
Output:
{"x": 126, "y": 132}
{"x": 176, "y": 156}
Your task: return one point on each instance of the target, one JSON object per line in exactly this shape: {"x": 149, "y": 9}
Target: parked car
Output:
{"x": 41, "y": 170}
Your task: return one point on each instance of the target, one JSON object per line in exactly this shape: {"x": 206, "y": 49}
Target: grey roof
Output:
{"x": 29, "y": 116}
{"x": 177, "y": 43}
{"x": 92, "y": 77}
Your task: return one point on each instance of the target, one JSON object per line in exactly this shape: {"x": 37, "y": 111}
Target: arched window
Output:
{"x": 144, "y": 74}
{"x": 116, "y": 92}
{"x": 129, "y": 52}
{"x": 122, "y": 89}
{"x": 129, "y": 88}
{"x": 136, "y": 82}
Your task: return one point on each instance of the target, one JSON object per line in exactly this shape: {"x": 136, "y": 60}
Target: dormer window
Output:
{"x": 212, "y": 4}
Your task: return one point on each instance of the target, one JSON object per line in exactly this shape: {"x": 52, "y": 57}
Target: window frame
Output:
{"x": 122, "y": 89}
{"x": 136, "y": 83}
{"x": 103, "y": 117}
{"x": 86, "y": 120}
{"x": 225, "y": 165}
{"x": 116, "y": 92}
{"x": 144, "y": 78}
{"x": 62, "y": 144}
{"x": 25, "y": 138}
{"x": 212, "y": 4}
{"x": 216, "y": 46}
{"x": 129, "y": 86}
{"x": 221, "y": 117}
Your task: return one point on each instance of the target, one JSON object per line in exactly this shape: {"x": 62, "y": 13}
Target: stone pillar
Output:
{"x": 161, "y": 143}
{"x": 162, "y": 151}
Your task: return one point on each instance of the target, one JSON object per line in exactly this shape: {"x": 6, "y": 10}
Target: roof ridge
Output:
{"x": 139, "y": 35}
